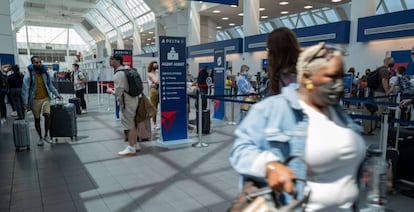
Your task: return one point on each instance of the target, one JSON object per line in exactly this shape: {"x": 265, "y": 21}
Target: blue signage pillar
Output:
{"x": 173, "y": 96}
{"x": 219, "y": 82}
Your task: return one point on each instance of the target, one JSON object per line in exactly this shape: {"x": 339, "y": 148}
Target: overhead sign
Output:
{"x": 229, "y": 2}
{"x": 173, "y": 93}
{"x": 219, "y": 81}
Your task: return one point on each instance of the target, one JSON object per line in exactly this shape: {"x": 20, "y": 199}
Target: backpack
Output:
{"x": 134, "y": 81}
{"x": 373, "y": 79}
{"x": 405, "y": 85}
{"x": 84, "y": 76}
{"x": 4, "y": 85}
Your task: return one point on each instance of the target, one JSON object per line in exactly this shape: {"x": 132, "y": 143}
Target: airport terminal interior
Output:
{"x": 183, "y": 169}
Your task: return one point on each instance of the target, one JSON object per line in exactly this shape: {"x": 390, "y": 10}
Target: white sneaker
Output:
{"x": 156, "y": 128}
{"x": 40, "y": 142}
{"x": 128, "y": 151}
{"x": 13, "y": 113}
{"x": 47, "y": 139}
{"x": 84, "y": 111}
{"x": 3, "y": 120}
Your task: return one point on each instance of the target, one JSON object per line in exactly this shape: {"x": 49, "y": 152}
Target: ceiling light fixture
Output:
{"x": 264, "y": 16}
{"x": 225, "y": 18}
{"x": 308, "y": 7}
{"x": 284, "y": 12}
{"x": 232, "y": 24}
{"x": 216, "y": 11}
{"x": 240, "y": 14}
{"x": 218, "y": 27}
{"x": 283, "y": 3}
{"x": 336, "y": 1}
{"x": 151, "y": 32}
{"x": 233, "y": 5}
{"x": 148, "y": 38}
{"x": 261, "y": 9}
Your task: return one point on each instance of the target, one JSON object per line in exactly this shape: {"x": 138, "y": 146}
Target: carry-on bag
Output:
{"x": 77, "y": 102}
{"x": 144, "y": 130}
{"x": 63, "y": 120}
{"x": 21, "y": 133}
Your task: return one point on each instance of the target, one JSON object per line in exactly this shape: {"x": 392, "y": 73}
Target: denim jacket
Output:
{"x": 27, "y": 95}
{"x": 273, "y": 130}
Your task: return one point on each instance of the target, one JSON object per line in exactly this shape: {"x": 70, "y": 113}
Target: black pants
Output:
{"x": 16, "y": 100}
{"x": 81, "y": 95}
{"x": 3, "y": 112}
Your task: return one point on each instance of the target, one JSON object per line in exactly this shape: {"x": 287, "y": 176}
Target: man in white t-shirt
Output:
{"x": 79, "y": 83}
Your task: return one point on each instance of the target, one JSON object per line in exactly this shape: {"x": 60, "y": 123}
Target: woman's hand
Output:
{"x": 405, "y": 102}
{"x": 280, "y": 178}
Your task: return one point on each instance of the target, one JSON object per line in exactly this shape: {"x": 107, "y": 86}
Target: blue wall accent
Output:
{"x": 207, "y": 49}
{"x": 7, "y": 58}
{"x": 337, "y": 32}
{"x": 405, "y": 19}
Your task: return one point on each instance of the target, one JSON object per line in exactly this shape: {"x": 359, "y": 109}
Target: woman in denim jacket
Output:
{"x": 305, "y": 120}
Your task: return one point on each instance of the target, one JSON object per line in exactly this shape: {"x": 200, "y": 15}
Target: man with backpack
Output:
{"x": 383, "y": 88}
{"x": 79, "y": 82}
{"x": 127, "y": 89}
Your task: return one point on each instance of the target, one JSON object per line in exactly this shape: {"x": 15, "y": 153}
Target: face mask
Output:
{"x": 391, "y": 65}
{"x": 246, "y": 73}
{"x": 330, "y": 92}
{"x": 154, "y": 68}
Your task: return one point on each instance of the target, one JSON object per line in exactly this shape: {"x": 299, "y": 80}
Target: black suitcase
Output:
{"x": 21, "y": 134}
{"x": 63, "y": 121}
{"x": 77, "y": 103}
{"x": 205, "y": 122}
{"x": 405, "y": 168}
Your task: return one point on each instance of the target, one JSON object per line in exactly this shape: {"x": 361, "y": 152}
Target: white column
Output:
{"x": 207, "y": 30}
{"x": 6, "y": 34}
{"x": 193, "y": 23}
{"x": 251, "y": 17}
{"x": 119, "y": 40}
{"x": 176, "y": 24}
{"x": 108, "y": 46}
{"x": 357, "y": 49}
{"x": 137, "y": 41}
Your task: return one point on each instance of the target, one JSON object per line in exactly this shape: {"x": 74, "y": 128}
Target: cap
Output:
{"x": 75, "y": 64}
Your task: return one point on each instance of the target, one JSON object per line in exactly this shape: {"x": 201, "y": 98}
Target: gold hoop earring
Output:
{"x": 309, "y": 85}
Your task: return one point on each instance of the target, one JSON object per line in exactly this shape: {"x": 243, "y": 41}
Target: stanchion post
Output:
{"x": 200, "y": 122}
{"x": 384, "y": 135}
{"x": 232, "y": 122}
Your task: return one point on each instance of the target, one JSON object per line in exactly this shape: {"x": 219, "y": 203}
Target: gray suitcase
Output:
{"x": 21, "y": 134}
{"x": 63, "y": 121}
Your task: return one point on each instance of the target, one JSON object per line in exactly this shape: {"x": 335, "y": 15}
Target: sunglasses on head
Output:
{"x": 325, "y": 51}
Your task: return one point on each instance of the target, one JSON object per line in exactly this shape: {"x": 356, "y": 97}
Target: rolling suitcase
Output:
{"x": 21, "y": 134}
{"x": 77, "y": 103}
{"x": 205, "y": 122}
{"x": 63, "y": 121}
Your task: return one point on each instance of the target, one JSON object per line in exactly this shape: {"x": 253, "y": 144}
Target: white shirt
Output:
{"x": 334, "y": 154}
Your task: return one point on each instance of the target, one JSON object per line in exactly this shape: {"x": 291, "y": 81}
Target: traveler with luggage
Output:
{"x": 15, "y": 81}
{"x": 153, "y": 82}
{"x": 37, "y": 91}
{"x": 306, "y": 121}
{"x": 128, "y": 103}
{"x": 80, "y": 83}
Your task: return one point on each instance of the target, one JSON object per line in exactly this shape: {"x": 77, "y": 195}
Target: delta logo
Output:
{"x": 216, "y": 105}
{"x": 167, "y": 119}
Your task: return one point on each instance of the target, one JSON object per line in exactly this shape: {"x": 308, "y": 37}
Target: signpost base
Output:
{"x": 175, "y": 143}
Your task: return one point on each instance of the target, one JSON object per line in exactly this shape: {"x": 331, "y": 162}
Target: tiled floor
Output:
{"x": 87, "y": 175}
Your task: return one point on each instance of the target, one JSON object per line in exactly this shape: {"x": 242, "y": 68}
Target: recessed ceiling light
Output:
{"x": 151, "y": 32}
{"x": 148, "y": 38}
{"x": 147, "y": 44}
{"x": 233, "y": 5}
{"x": 240, "y": 14}
{"x": 216, "y": 11}
{"x": 264, "y": 16}
{"x": 131, "y": 38}
{"x": 218, "y": 27}
{"x": 283, "y": 3}
{"x": 225, "y": 18}
{"x": 336, "y": 0}
{"x": 284, "y": 12}
{"x": 261, "y": 9}
{"x": 308, "y": 7}
{"x": 152, "y": 42}
{"x": 232, "y": 24}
